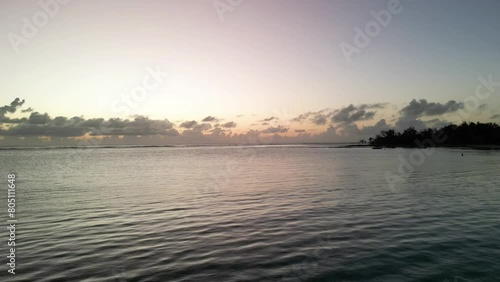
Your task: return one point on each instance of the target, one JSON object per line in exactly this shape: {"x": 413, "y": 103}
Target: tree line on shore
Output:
{"x": 451, "y": 135}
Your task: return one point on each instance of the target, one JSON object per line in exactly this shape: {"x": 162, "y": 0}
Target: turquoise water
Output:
{"x": 254, "y": 214}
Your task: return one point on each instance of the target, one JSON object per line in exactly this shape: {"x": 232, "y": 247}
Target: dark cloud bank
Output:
{"x": 341, "y": 126}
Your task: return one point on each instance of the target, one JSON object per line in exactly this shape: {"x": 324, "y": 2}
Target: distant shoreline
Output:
{"x": 308, "y": 145}
{"x": 305, "y": 145}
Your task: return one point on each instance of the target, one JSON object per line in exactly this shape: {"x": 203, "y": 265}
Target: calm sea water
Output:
{"x": 253, "y": 214}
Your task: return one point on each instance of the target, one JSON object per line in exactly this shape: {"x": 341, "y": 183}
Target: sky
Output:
{"x": 151, "y": 72}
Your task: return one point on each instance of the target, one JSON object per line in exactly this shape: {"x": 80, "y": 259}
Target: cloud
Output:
{"x": 218, "y": 132}
{"x": 202, "y": 127}
{"x": 44, "y": 130}
{"x": 319, "y": 119}
{"x": 372, "y": 106}
{"x": 300, "y": 130}
{"x": 410, "y": 115}
{"x": 96, "y": 122}
{"x": 405, "y": 122}
{"x": 12, "y": 120}
{"x": 42, "y": 125}
{"x": 140, "y": 125}
{"x": 351, "y": 131}
{"x": 302, "y": 117}
{"x": 28, "y": 110}
{"x": 278, "y": 129}
{"x": 196, "y": 130}
{"x": 230, "y": 124}
{"x": 269, "y": 119}
{"x": 347, "y": 114}
{"x": 38, "y": 118}
{"x": 330, "y": 135}
{"x": 495, "y": 116}
{"x": 352, "y": 113}
{"x": 210, "y": 119}
{"x": 14, "y": 105}
{"x": 422, "y": 108}
{"x": 188, "y": 124}
{"x": 60, "y": 121}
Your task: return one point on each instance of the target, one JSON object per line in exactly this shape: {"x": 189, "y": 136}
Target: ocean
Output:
{"x": 253, "y": 213}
